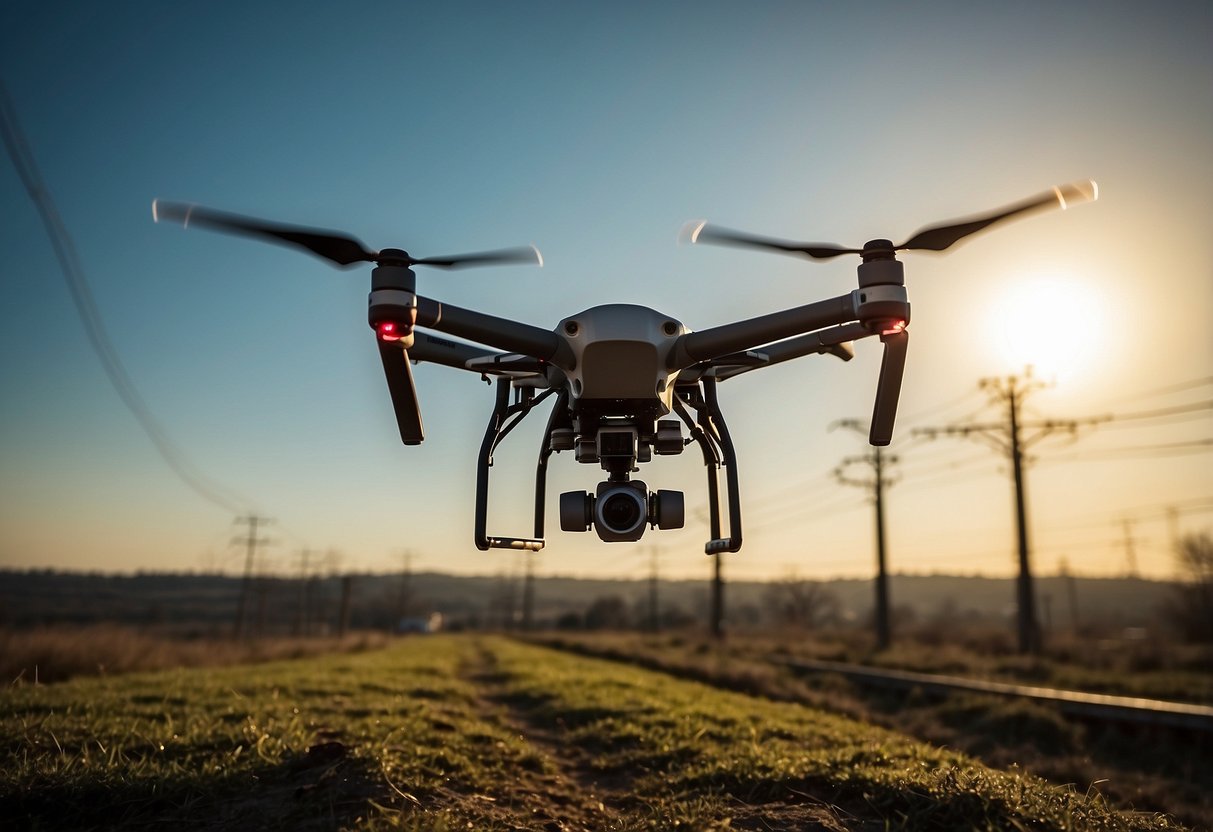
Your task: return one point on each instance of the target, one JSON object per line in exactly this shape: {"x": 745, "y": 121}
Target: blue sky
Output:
{"x": 596, "y": 131}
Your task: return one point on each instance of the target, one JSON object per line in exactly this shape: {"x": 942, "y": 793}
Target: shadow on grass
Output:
{"x": 326, "y": 788}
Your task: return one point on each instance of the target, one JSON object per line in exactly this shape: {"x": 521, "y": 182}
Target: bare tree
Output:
{"x": 1192, "y": 611}
{"x": 798, "y": 602}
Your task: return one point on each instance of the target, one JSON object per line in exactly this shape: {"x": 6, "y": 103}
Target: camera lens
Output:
{"x": 622, "y": 511}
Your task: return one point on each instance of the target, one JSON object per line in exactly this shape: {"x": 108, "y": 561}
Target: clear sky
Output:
{"x": 596, "y": 131}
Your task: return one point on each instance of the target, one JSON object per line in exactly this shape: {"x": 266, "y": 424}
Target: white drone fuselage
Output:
{"x": 621, "y": 354}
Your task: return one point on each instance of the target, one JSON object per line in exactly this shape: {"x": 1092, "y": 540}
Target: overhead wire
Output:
{"x": 90, "y": 316}
{"x": 1178, "y": 387}
{"x": 1195, "y": 446}
{"x": 908, "y": 420}
{"x": 1162, "y": 412}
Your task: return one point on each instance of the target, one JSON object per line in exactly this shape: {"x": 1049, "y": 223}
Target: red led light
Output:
{"x": 894, "y": 328}
{"x": 388, "y": 331}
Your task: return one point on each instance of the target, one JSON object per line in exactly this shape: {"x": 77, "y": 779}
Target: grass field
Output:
{"x": 462, "y": 732}
{"x": 1157, "y": 769}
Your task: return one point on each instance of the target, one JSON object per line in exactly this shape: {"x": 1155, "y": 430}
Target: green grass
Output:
{"x": 481, "y": 733}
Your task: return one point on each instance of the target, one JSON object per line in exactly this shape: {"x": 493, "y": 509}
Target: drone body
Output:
{"x": 626, "y": 379}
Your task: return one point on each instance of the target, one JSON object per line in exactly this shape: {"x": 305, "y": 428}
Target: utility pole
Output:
{"x": 301, "y": 619}
{"x": 1072, "y": 593}
{"x": 406, "y": 589}
{"x": 1130, "y": 550}
{"x": 1008, "y": 438}
{"x": 343, "y": 616}
{"x": 716, "y": 613}
{"x": 528, "y": 593}
{"x": 877, "y": 484}
{"x": 251, "y": 542}
{"x": 654, "y": 611}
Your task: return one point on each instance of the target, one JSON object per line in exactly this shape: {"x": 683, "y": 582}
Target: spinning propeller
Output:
{"x": 884, "y": 282}
{"x": 336, "y": 247}
{"x": 932, "y": 238}
{"x": 393, "y": 286}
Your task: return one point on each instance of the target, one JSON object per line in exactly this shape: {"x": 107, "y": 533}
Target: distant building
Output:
{"x": 419, "y": 624}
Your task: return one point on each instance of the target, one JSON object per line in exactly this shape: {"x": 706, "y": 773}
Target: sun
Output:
{"x": 1050, "y": 323}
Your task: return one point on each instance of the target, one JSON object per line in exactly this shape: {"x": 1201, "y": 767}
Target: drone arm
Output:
{"x": 448, "y": 353}
{"x": 815, "y": 342}
{"x": 834, "y": 341}
{"x": 502, "y": 333}
{"x": 707, "y": 344}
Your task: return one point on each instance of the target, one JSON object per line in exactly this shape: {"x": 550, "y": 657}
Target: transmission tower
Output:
{"x": 1009, "y": 438}
{"x": 302, "y": 619}
{"x": 877, "y": 483}
{"x": 251, "y": 542}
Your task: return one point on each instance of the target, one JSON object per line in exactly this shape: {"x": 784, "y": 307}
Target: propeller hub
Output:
{"x": 393, "y": 257}
{"x": 878, "y": 250}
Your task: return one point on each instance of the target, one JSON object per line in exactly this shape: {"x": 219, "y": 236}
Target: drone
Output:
{"x": 626, "y": 379}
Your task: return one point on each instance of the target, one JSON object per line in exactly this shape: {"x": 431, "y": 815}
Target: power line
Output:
{"x": 1157, "y": 421}
{"x": 910, "y": 419}
{"x": 1155, "y": 511}
{"x": 1178, "y": 387}
{"x": 1195, "y": 446}
{"x": 1178, "y": 409}
{"x": 90, "y": 315}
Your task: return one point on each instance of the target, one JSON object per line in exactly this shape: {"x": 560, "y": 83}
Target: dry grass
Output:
{"x": 55, "y": 654}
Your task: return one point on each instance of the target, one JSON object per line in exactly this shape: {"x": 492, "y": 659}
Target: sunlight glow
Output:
{"x": 1051, "y": 324}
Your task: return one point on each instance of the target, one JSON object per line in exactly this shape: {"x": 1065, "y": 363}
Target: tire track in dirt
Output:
{"x": 570, "y": 795}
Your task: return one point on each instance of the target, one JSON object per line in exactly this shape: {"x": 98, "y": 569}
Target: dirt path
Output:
{"x": 567, "y": 795}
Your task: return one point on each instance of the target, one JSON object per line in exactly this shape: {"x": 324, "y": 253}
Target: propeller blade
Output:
{"x": 399, "y": 373}
{"x": 940, "y": 237}
{"x": 888, "y": 388}
{"x": 527, "y": 254}
{"x": 702, "y": 232}
{"x": 338, "y": 248}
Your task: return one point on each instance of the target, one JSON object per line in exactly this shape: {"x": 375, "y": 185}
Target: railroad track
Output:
{"x": 1154, "y": 712}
